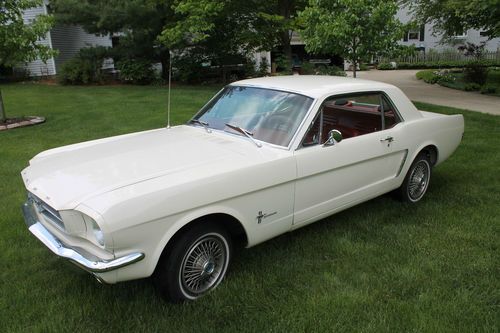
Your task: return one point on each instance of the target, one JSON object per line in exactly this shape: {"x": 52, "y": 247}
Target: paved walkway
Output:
{"x": 418, "y": 90}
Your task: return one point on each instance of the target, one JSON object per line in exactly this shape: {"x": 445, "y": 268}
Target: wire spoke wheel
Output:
{"x": 418, "y": 180}
{"x": 204, "y": 264}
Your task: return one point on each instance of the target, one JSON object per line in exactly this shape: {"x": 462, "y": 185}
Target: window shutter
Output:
{"x": 405, "y": 36}
{"x": 422, "y": 32}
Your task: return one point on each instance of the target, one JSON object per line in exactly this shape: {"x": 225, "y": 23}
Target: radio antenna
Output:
{"x": 169, "y": 87}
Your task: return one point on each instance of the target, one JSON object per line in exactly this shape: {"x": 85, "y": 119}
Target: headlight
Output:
{"x": 82, "y": 225}
{"x": 94, "y": 232}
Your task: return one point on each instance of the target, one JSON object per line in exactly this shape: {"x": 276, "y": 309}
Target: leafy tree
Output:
{"x": 18, "y": 40}
{"x": 353, "y": 29}
{"x": 138, "y": 23}
{"x": 453, "y": 17}
{"x": 233, "y": 25}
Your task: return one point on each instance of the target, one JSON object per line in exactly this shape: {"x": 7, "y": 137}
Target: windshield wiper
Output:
{"x": 202, "y": 123}
{"x": 245, "y": 132}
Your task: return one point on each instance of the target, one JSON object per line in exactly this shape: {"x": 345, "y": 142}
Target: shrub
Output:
{"x": 283, "y": 64}
{"x": 488, "y": 89}
{"x": 474, "y": 72}
{"x": 385, "y": 66}
{"x": 363, "y": 67}
{"x": 136, "y": 71}
{"x": 76, "y": 71}
{"x": 428, "y": 76}
{"x": 472, "y": 87}
{"x": 85, "y": 67}
{"x": 263, "y": 68}
{"x": 307, "y": 68}
{"x": 330, "y": 70}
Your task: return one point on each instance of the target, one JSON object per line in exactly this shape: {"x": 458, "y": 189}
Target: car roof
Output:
{"x": 314, "y": 85}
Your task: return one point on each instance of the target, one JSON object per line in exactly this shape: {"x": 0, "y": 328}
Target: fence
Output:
{"x": 441, "y": 56}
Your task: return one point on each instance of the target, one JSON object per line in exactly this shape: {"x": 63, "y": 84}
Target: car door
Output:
{"x": 364, "y": 164}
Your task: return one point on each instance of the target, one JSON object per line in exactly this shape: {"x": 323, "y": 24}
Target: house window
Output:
{"x": 413, "y": 35}
{"x": 483, "y": 33}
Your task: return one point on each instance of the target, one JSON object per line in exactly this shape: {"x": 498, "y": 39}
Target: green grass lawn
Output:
{"x": 381, "y": 266}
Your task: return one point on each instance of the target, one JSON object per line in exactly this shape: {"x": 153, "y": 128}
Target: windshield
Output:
{"x": 267, "y": 115}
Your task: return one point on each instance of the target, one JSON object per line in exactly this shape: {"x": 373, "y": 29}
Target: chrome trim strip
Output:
{"x": 56, "y": 246}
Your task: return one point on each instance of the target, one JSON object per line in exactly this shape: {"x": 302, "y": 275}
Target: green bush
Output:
{"x": 76, "y": 71}
{"x": 263, "y": 68}
{"x": 474, "y": 72}
{"x": 363, "y": 67}
{"x": 330, "y": 70}
{"x": 385, "y": 66}
{"x": 445, "y": 64}
{"x": 488, "y": 89}
{"x": 428, "y": 76}
{"x": 85, "y": 67}
{"x": 472, "y": 87}
{"x": 307, "y": 68}
{"x": 136, "y": 71}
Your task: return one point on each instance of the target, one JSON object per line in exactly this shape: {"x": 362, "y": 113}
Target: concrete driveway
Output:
{"x": 418, "y": 90}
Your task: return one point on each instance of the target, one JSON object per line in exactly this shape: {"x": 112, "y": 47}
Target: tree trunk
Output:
{"x": 354, "y": 65}
{"x": 285, "y": 8}
{"x": 2, "y": 110}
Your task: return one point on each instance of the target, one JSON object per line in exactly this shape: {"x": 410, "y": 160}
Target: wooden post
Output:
{"x": 2, "y": 110}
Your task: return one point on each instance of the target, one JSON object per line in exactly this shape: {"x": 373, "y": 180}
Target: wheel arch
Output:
{"x": 431, "y": 151}
{"x": 227, "y": 220}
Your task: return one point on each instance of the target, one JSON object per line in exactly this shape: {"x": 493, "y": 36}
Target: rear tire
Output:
{"x": 195, "y": 264}
{"x": 417, "y": 180}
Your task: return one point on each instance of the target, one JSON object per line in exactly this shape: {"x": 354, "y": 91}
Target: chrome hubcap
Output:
{"x": 419, "y": 179}
{"x": 203, "y": 264}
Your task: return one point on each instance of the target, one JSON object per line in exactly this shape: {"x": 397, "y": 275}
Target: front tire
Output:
{"x": 195, "y": 264}
{"x": 417, "y": 180}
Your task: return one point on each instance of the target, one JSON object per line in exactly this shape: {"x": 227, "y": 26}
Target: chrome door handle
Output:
{"x": 388, "y": 139}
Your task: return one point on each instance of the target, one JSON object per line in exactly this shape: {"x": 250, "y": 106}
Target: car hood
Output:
{"x": 65, "y": 177}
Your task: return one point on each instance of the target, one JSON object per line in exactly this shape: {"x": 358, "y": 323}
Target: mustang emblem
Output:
{"x": 263, "y": 216}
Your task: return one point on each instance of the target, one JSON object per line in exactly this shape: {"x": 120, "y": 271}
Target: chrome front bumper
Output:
{"x": 94, "y": 265}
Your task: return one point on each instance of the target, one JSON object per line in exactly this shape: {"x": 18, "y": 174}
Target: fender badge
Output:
{"x": 262, "y": 216}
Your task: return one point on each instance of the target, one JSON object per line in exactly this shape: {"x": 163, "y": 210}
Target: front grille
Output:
{"x": 48, "y": 213}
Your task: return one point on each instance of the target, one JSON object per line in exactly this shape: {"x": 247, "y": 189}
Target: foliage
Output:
{"x": 18, "y": 40}
{"x": 385, "y": 66}
{"x": 236, "y": 25}
{"x": 283, "y": 64}
{"x": 263, "y": 67}
{"x": 428, "y": 76}
{"x": 136, "y": 71}
{"x": 363, "y": 67}
{"x": 453, "y": 17}
{"x": 85, "y": 67}
{"x": 378, "y": 267}
{"x": 474, "y": 72}
{"x": 472, "y": 86}
{"x": 454, "y": 78}
{"x": 489, "y": 89}
{"x": 330, "y": 70}
{"x": 137, "y": 22}
{"x": 353, "y": 29}
{"x": 437, "y": 64}
{"x": 307, "y": 68}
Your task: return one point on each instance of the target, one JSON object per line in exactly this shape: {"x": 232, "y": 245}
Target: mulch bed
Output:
{"x": 20, "y": 122}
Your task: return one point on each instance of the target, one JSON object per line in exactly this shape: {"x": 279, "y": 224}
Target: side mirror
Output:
{"x": 334, "y": 136}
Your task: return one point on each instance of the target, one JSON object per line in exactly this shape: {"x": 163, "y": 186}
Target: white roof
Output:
{"x": 314, "y": 85}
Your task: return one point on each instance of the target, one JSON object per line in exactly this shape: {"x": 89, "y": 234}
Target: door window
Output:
{"x": 353, "y": 115}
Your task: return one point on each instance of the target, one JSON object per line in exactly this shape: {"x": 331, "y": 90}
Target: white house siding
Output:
{"x": 69, "y": 39}
{"x": 432, "y": 41}
{"x": 38, "y": 67}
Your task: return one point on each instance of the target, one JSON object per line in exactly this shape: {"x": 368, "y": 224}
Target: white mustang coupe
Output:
{"x": 263, "y": 157}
